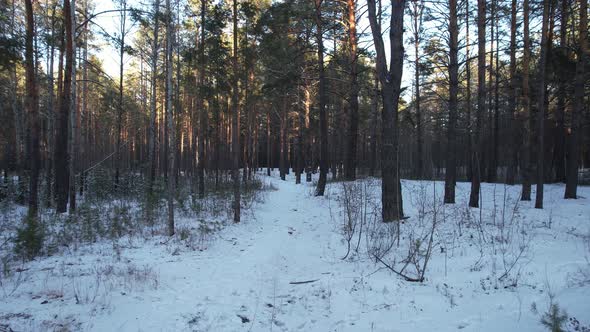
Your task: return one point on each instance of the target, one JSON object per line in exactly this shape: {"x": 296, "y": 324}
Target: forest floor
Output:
{"x": 281, "y": 269}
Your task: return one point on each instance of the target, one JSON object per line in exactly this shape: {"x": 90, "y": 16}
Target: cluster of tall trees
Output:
{"x": 210, "y": 89}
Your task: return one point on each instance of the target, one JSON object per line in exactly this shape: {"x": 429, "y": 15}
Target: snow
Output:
{"x": 241, "y": 280}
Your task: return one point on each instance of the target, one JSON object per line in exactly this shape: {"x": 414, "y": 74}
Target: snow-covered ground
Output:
{"x": 246, "y": 277}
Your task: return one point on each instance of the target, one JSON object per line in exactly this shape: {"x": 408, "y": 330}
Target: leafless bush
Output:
{"x": 380, "y": 238}
{"x": 415, "y": 248}
{"x": 406, "y": 256}
{"x": 503, "y": 237}
{"x": 510, "y": 237}
{"x": 356, "y": 209}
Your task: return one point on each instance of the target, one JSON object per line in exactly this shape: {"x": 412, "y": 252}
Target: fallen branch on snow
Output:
{"x": 303, "y": 282}
{"x": 407, "y": 278}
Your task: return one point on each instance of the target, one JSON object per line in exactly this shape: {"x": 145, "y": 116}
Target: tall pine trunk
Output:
{"x": 268, "y": 144}
{"x": 308, "y": 146}
{"x": 541, "y": 109}
{"x": 120, "y": 96}
{"x": 51, "y": 113}
{"x": 153, "y": 101}
{"x": 527, "y": 173}
{"x": 496, "y": 132}
{"x": 391, "y": 198}
{"x": 299, "y": 150}
{"x": 450, "y": 174}
{"x": 235, "y": 130}
{"x": 170, "y": 121}
{"x": 73, "y": 117}
{"x": 571, "y": 185}
{"x": 513, "y": 148}
{"x": 32, "y": 109}
{"x": 324, "y": 158}
{"x": 353, "y": 107}
{"x": 83, "y": 143}
{"x": 283, "y": 140}
{"x": 481, "y": 104}
{"x": 417, "y": 17}
{"x": 490, "y": 166}
{"x": 559, "y": 136}
{"x": 201, "y": 106}
{"x": 19, "y": 118}
{"x": 62, "y": 156}
{"x": 469, "y": 153}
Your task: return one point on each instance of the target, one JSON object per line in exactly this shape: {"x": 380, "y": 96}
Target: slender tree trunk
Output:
{"x": 177, "y": 141}
{"x": 153, "y": 101}
{"x": 468, "y": 95}
{"x": 527, "y": 176}
{"x": 19, "y": 132}
{"x": 321, "y": 187}
{"x": 299, "y": 146}
{"x": 513, "y": 148}
{"x": 57, "y": 112}
{"x": 255, "y": 145}
{"x": 334, "y": 121}
{"x": 496, "y": 132}
{"x": 164, "y": 136}
{"x": 120, "y": 97}
{"x": 283, "y": 141}
{"x": 353, "y": 107}
{"x": 308, "y": 145}
{"x": 19, "y": 119}
{"x": 201, "y": 106}
{"x": 51, "y": 114}
{"x": 490, "y": 166}
{"x": 417, "y": 16}
{"x": 481, "y": 104}
{"x": 247, "y": 134}
{"x": 541, "y": 109}
{"x": 218, "y": 140}
{"x": 571, "y": 185}
{"x": 170, "y": 120}
{"x": 548, "y": 157}
{"x": 84, "y": 113}
{"x": 73, "y": 144}
{"x": 268, "y": 145}
{"x": 559, "y": 138}
{"x": 32, "y": 109}
{"x": 235, "y": 117}
{"x": 450, "y": 174}
{"x": 62, "y": 157}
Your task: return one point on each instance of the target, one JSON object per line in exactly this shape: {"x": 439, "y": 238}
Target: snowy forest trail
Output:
{"x": 244, "y": 280}
{"x": 281, "y": 270}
